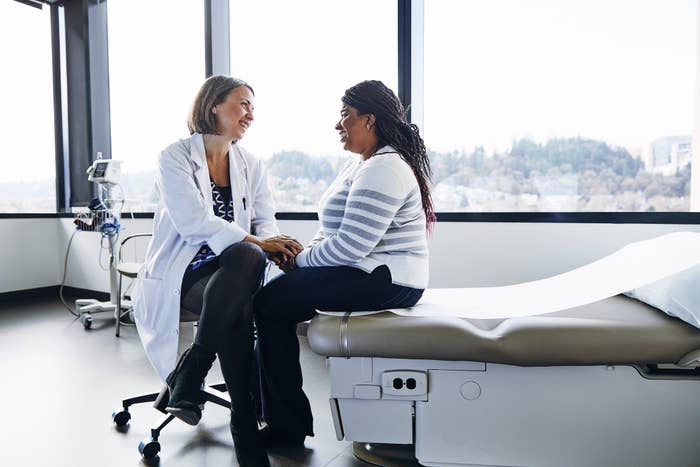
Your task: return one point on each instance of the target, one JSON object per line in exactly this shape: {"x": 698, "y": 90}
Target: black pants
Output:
{"x": 221, "y": 293}
{"x": 294, "y": 297}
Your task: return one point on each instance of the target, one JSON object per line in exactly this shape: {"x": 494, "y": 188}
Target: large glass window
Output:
{"x": 156, "y": 66}
{"x": 544, "y": 105}
{"x": 299, "y": 67}
{"x": 28, "y": 175}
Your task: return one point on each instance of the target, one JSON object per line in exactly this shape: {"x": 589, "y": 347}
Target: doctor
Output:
{"x": 213, "y": 229}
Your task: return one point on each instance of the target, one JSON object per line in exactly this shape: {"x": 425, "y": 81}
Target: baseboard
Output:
{"x": 52, "y": 291}
{"x": 76, "y": 292}
{"x": 39, "y": 292}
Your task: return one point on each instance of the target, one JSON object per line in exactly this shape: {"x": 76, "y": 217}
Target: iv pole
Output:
{"x": 106, "y": 220}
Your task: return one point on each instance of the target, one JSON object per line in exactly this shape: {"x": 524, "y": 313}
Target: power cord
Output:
{"x": 63, "y": 282}
{"x": 63, "y": 279}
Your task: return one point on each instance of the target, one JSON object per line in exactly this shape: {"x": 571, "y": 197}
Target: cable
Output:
{"x": 109, "y": 227}
{"x": 105, "y": 210}
{"x": 63, "y": 280}
{"x": 100, "y": 255}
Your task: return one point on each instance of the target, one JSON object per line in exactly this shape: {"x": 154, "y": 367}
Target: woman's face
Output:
{"x": 356, "y": 131}
{"x": 235, "y": 114}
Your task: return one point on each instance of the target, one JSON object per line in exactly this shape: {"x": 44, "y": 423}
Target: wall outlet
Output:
{"x": 404, "y": 383}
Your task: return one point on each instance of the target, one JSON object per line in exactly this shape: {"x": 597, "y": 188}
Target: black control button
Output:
{"x": 411, "y": 383}
{"x": 398, "y": 383}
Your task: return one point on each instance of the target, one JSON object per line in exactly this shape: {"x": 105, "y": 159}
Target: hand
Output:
{"x": 288, "y": 265}
{"x": 279, "y": 248}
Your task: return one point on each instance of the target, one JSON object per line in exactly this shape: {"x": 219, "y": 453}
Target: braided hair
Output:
{"x": 392, "y": 129}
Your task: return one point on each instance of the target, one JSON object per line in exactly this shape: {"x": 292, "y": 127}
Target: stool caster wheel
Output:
{"x": 121, "y": 418}
{"x": 86, "y": 319}
{"x": 149, "y": 448}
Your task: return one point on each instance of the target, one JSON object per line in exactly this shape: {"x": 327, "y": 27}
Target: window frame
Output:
{"x": 415, "y": 97}
{"x": 410, "y": 15}
{"x": 56, "y": 106}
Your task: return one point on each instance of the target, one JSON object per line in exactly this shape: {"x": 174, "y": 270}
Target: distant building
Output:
{"x": 668, "y": 154}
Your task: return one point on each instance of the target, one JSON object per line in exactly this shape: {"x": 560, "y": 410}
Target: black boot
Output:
{"x": 271, "y": 437}
{"x": 250, "y": 450}
{"x": 184, "y": 384}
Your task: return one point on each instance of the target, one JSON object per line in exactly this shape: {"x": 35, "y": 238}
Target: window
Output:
{"x": 156, "y": 67}
{"x": 28, "y": 175}
{"x": 299, "y": 68}
{"x": 543, "y": 105}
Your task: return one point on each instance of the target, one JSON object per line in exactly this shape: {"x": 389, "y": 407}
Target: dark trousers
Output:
{"x": 294, "y": 297}
{"x": 221, "y": 292}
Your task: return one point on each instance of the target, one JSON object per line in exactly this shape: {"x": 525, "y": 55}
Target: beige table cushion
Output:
{"x": 617, "y": 330}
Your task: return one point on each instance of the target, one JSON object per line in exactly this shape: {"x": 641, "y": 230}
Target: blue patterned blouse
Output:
{"x": 222, "y": 202}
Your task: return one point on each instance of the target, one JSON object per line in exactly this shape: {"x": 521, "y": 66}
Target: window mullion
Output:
{"x": 695, "y": 161}
{"x": 217, "y": 33}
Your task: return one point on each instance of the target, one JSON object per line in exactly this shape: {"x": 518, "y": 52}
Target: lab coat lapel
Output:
{"x": 201, "y": 169}
{"x": 238, "y": 172}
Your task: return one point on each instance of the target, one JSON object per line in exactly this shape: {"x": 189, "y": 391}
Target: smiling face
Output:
{"x": 235, "y": 114}
{"x": 356, "y": 131}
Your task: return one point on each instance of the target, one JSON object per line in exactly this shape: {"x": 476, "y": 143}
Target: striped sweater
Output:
{"x": 372, "y": 215}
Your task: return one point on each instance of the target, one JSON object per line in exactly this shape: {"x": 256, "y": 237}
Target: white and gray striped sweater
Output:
{"x": 372, "y": 215}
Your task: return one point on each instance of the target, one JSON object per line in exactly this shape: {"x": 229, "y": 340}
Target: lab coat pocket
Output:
{"x": 147, "y": 297}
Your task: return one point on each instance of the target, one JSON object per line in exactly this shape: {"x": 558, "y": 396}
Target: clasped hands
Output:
{"x": 282, "y": 250}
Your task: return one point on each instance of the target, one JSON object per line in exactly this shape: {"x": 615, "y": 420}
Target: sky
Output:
{"x": 618, "y": 70}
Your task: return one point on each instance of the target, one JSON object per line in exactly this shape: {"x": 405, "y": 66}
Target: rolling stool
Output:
{"x": 150, "y": 447}
{"x": 130, "y": 270}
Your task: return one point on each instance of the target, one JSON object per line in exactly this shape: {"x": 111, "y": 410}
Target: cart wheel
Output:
{"x": 121, "y": 418}
{"x": 149, "y": 448}
{"x": 86, "y": 319}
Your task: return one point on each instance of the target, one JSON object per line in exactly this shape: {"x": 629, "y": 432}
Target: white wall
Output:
{"x": 488, "y": 254}
{"x": 492, "y": 253}
{"x": 462, "y": 254}
{"x": 465, "y": 254}
{"x": 87, "y": 257}
{"x": 29, "y": 249}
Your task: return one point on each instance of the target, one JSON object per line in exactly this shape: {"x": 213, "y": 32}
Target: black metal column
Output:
{"x": 217, "y": 38}
{"x": 87, "y": 80}
{"x": 404, "y": 47}
{"x": 62, "y": 172}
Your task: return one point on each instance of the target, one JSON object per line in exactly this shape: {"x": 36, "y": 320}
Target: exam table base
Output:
{"x": 386, "y": 455}
{"x": 479, "y": 414}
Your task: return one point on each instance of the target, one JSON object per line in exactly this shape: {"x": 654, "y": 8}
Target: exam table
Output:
{"x": 611, "y": 383}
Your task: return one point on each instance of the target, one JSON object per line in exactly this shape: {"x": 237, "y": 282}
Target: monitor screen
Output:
{"x": 100, "y": 169}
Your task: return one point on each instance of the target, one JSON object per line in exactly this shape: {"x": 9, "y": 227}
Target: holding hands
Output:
{"x": 281, "y": 249}
{"x": 288, "y": 265}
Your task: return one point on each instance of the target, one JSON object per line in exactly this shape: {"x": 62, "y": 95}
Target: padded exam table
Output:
{"x": 612, "y": 383}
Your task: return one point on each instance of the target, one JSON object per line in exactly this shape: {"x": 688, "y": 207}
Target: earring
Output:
{"x": 368, "y": 126}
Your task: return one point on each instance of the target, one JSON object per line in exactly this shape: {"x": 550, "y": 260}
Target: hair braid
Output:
{"x": 392, "y": 128}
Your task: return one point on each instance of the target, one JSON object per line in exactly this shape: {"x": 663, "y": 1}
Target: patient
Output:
{"x": 370, "y": 252}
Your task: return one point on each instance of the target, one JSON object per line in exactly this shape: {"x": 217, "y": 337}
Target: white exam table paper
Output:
{"x": 633, "y": 266}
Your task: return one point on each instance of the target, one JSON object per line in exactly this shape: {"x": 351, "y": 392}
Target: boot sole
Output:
{"x": 187, "y": 416}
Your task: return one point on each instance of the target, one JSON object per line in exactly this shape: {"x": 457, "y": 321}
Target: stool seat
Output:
{"x": 187, "y": 316}
{"x": 130, "y": 270}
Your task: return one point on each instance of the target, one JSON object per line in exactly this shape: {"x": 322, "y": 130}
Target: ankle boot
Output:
{"x": 271, "y": 437}
{"x": 247, "y": 443}
{"x": 184, "y": 384}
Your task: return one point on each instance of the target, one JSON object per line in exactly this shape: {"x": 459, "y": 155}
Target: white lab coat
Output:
{"x": 183, "y": 222}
